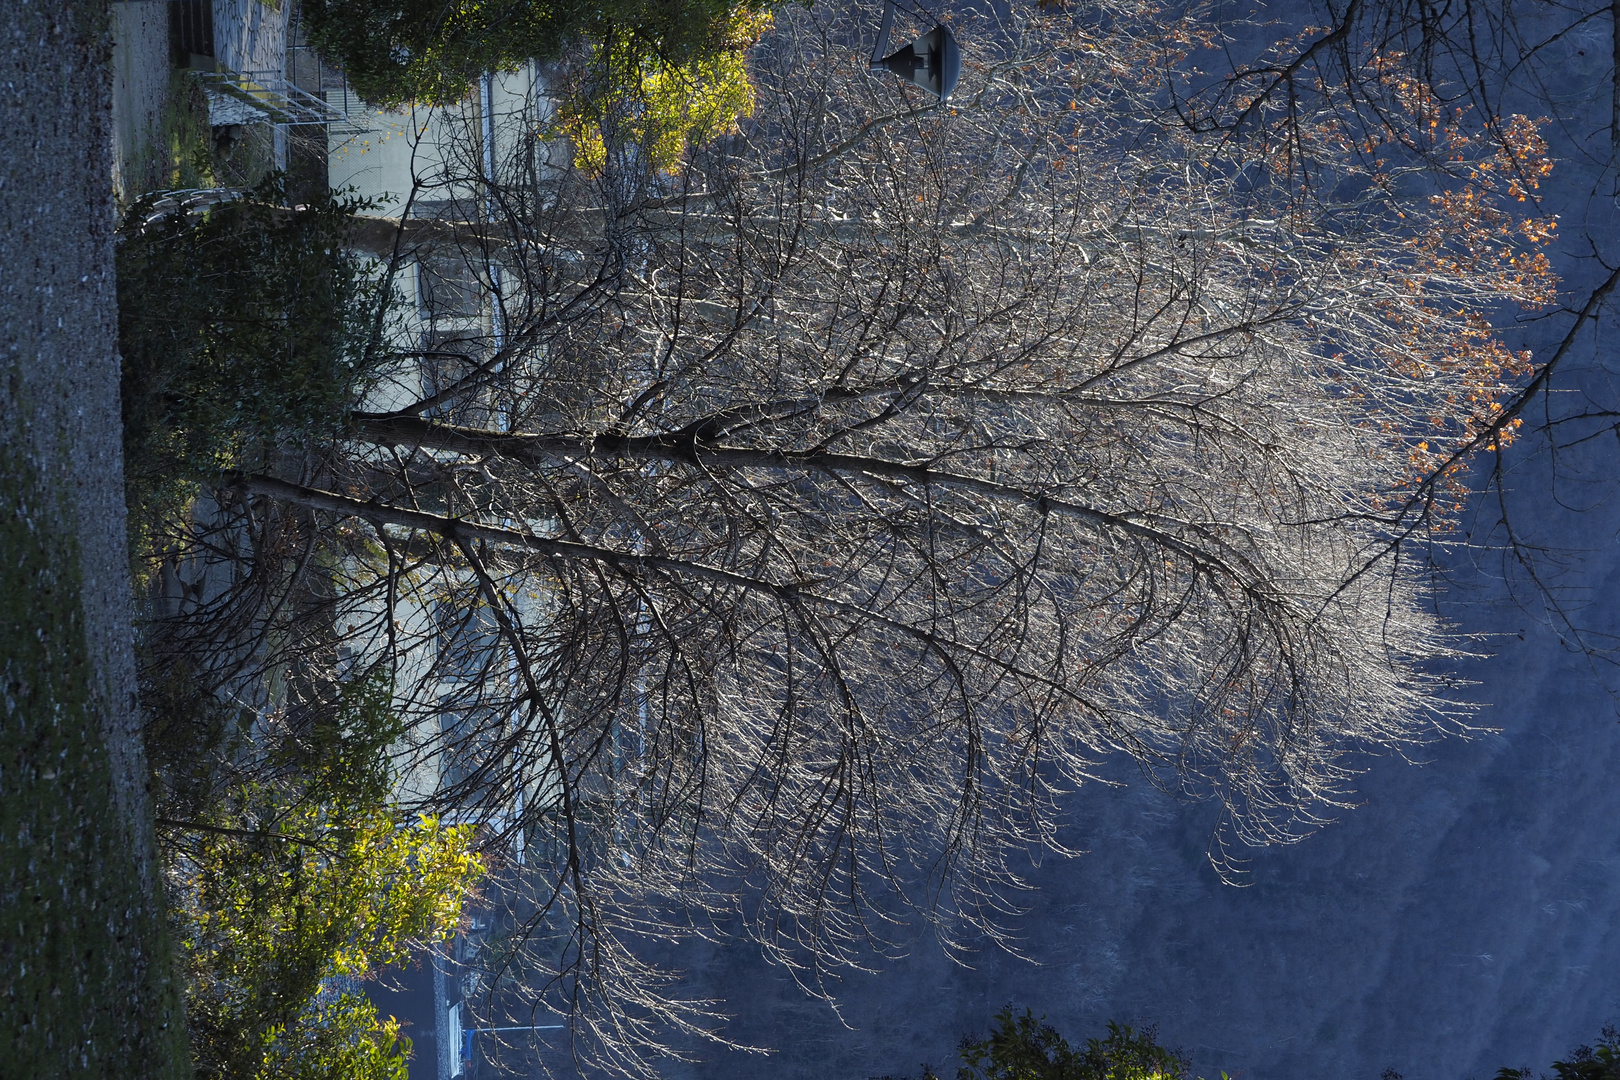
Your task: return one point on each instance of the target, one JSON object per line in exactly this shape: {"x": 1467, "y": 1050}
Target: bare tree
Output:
{"x": 1483, "y": 61}
{"x": 804, "y": 523}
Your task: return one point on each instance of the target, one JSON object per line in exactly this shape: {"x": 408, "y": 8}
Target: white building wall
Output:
{"x": 411, "y": 159}
{"x": 412, "y": 149}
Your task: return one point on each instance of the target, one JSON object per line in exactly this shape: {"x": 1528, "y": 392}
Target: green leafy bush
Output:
{"x": 1024, "y": 1048}
{"x": 242, "y": 327}
{"x": 340, "y": 1039}
{"x": 1600, "y": 1062}
{"x": 397, "y": 51}
{"x": 297, "y": 876}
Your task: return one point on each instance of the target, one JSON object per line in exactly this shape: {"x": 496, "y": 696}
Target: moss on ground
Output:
{"x": 86, "y": 983}
{"x": 183, "y": 135}
{"x": 184, "y": 153}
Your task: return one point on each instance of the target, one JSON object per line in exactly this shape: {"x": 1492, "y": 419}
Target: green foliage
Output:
{"x": 241, "y": 328}
{"x": 1024, "y": 1048}
{"x": 1601, "y": 1062}
{"x": 304, "y": 875}
{"x": 189, "y": 734}
{"x": 342, "y": 1039}
{"x": 341, "y": 757}
{"x": 431, "y": 52}
{"x": 659, "y": 106}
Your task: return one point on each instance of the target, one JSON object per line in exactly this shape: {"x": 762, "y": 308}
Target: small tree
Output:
{"x": 243, "y": 325}
{"x": 1024, "y": 1048}
{"x": 293, "y": 881}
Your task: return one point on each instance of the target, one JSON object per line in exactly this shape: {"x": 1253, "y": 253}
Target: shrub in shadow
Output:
{"x": 244, "y": 328}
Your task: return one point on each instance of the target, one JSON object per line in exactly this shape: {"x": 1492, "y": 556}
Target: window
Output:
{"x": 447, "y": 287}
{"x": 447, "y": 358}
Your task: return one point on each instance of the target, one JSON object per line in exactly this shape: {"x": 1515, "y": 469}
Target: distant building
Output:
{"x": 417, "y": 163}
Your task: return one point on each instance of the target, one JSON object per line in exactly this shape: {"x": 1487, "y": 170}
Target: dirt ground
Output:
{"x": 76, "y": 861}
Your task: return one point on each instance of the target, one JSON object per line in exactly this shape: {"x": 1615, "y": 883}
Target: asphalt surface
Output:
{"x": 58, "y": 334}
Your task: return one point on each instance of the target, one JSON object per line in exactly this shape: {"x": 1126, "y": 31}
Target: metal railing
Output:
{"x": 270, "y": 97}
{"x": 311, "y": 73}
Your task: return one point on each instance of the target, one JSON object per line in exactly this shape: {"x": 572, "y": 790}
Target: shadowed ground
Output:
{"x": 85, "y": 971}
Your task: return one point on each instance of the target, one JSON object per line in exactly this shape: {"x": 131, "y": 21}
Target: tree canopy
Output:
{"x": 241, "y": 325}
{"x": 292, "y": 875}
{"x": 1600, "y": 1062}
{"x": 1024, "y": 1048}
{"x": 808, "y": 513}
{"x": 398, "y": 51}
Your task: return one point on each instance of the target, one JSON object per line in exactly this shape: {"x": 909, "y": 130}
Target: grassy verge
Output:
{"x": 183, "y": 153}
{"x": 86, "y": 984}
{"x": 186, "y": 146}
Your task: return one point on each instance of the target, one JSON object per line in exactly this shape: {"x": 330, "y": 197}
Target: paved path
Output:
{"x": 58, "y": 306}
{"x": 60, "y": 402}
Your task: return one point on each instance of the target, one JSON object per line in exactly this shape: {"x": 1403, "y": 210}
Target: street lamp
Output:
{"x": 933, "y": 61}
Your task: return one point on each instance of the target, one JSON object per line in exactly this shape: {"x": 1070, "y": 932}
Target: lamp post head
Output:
{"x": 933, "y": 61}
